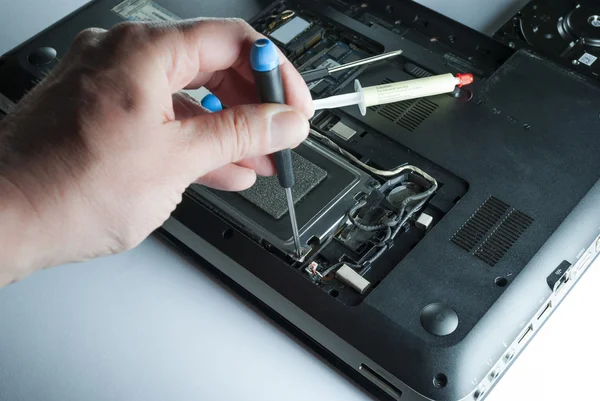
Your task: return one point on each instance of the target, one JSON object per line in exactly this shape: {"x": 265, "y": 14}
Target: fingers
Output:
{"x": 191, "y": 51}
{"x": 296, "y": 91}
{"x": 230, "y": 177}
{"x": 262, "y": 165}
{"x": 229, "y": 136}
{"x": 232, "y": 89}
{"x": 186, "y": 107}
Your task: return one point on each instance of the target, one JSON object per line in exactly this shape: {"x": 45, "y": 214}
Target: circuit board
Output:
{"x": 310, "y": 43}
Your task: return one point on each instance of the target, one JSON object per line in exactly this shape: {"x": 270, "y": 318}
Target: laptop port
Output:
{"x": 559, "y": 277}
{"x": 479, "y": 392}
{"x": 380, "y": 381}
{"x": 561, "y": 284}
{"x": 494, "y": 373}
{"x": 510, "y": 354}
{"x": 544, "y": 311}
{"x": 581, "y": 263}
{"x": 526, "y": 335}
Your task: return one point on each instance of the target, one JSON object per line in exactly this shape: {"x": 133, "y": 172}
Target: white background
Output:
{"x": 148, "y": 325}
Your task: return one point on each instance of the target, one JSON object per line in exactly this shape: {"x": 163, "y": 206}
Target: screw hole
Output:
{"x": 389, "y": 9}
{"x": 452, "y": 38}
{"x": 527, "y": 127}
{"x": 440, "y": 380}
{"x": 228, "y": 233}
{"x": 334, "y": 293}
{"x": 501, "y": 281}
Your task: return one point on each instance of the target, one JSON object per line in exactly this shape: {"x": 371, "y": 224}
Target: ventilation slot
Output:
{"x": 408, "y": 114}
{"x": 492, "y": 230}
{"x": 483, "y": 220}
{"x": 499, "y": 242}
{"x": 416, "y": 71}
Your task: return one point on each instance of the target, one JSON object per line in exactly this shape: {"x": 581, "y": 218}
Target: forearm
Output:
{"x": 20, "y": 235}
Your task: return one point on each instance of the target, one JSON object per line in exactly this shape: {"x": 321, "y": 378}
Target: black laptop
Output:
{"x": 438, "y": 234}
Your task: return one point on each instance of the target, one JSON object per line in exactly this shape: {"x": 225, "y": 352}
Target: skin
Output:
{"x": 98, "y": 155}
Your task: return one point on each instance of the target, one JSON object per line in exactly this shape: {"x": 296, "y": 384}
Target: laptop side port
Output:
{"x": 542, "y": 314}
{"x": 581, "y": 263}
{"x": 526, "y": 335}
{"x": 559, "y": 277}
{"x": 493, "y": 375}
{"x": 380, "y": 381}
{"x": 509, "y": 355}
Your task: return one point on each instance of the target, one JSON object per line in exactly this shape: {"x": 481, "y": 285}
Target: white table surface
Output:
{"x": 148, "y": 325}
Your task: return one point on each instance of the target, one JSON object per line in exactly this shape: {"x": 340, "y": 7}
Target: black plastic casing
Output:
{"x": 526, "y": 137}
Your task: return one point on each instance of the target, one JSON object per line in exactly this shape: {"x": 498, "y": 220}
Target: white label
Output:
{"x": 6, "y": 105}
{"x": 144, "y": 10}
{"x": 398, "y": 91}
{"x": 325, "y": 64}
{"x": 588, "y": 59}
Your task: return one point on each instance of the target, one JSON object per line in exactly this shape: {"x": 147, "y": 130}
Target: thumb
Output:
{"x": 237, "y": 133}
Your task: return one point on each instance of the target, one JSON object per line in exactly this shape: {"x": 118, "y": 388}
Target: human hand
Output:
{"x": 98, "y": 155}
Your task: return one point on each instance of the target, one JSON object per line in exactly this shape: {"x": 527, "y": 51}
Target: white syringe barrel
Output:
{"x": 394, "y": 92}
{"x": 415, "y": 88}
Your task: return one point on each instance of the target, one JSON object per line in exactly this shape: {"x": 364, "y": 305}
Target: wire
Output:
{"x": 337, "y": 266}
{"x": 397, "y": 223}
{"x": 376, "y": 171}
{"x": 385, "y": 244}
{"x": 279, "y": 18}
{"x": 387, "y": 236}
{"x": 353, "y": 219}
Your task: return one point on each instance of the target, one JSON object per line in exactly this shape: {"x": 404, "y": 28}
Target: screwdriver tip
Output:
{"x": 292, "y": 211}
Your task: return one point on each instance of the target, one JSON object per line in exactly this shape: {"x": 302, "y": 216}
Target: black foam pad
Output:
{"x": 269, "y": 196}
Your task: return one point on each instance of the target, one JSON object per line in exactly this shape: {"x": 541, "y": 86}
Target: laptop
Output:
{"x": 439, "y": 234}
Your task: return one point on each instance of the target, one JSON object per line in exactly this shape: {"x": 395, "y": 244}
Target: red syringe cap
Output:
{"x": 465, "y": 79}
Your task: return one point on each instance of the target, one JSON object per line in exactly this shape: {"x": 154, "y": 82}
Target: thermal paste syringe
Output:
{"x": 394, "y": 92}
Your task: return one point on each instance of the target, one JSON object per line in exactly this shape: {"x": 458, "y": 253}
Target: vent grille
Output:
{"x": 480, "y": 223}
{"x": 416, "y": 71}
{"x": 492, "y": 230}
{"x": 408, "y": 114}
{"x": 499, "y": 242}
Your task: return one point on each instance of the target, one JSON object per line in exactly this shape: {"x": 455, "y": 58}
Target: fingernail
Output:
{"x": 287, "y": 128}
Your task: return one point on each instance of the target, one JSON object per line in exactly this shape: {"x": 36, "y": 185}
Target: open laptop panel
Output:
{"x": 436, "y": 306}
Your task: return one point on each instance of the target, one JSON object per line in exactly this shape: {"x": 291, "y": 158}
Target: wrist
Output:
{"x": 22, "y": 244}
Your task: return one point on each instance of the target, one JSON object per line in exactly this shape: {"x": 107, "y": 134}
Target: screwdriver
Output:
{"x": 264, "y": 60}
{"x": 320, "y": 73}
